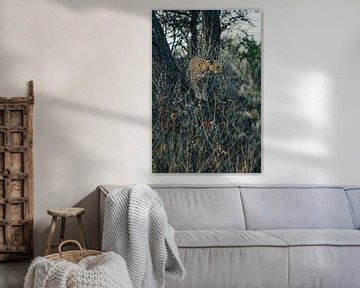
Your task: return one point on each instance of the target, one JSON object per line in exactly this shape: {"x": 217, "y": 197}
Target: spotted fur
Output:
{"x": 199, "y": 68}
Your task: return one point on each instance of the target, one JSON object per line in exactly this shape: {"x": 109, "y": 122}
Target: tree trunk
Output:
{"x": 194, "y": 14}
{"x": 212, "y": 30}
{"x": 166, "y": 74}
{"x": 161, "y": 54}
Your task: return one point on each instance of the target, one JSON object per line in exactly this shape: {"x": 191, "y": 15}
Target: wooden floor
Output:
{"x": 12, "y": 274}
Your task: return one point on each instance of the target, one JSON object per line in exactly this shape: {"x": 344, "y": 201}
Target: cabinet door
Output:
{"x": 16, "y": 210}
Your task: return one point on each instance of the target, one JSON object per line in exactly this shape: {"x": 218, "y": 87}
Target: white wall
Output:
{"x": 91, "y": 63}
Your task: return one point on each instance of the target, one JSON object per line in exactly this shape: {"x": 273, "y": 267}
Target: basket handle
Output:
{"x": 69, "y": 241}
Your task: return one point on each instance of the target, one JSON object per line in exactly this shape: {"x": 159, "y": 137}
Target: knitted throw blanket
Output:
{"x": 136, "y": 227}
{"x": 103, "y": 271}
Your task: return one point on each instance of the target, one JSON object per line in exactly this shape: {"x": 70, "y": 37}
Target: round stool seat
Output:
{"x": 66, "y": 211}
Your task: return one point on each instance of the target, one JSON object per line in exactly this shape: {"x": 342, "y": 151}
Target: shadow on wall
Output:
{"x": 79, "y": 108}
{"x": 134, "y": 7}
{"x": 63, "y": 162}
{"x": 71, "y": 162}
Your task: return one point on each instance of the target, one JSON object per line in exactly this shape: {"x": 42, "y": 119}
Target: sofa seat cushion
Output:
{"x": 317, "y": 237}
{"x": 225, "y": 238}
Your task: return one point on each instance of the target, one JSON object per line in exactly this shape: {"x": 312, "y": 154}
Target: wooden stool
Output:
{"x": 64, "y": 213}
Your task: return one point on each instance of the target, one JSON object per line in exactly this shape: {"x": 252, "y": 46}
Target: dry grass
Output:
{"x": 220, "y": 135}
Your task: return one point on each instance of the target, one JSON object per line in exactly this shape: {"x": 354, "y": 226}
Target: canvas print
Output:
{"x": 206, "y": 91}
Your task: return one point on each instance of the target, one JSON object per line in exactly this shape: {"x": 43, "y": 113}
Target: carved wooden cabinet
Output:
{"x": 16, "y": 177}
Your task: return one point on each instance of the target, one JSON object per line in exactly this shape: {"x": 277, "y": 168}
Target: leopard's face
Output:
{"x": 214, "y": 66}
{"x": 201, "y": 66}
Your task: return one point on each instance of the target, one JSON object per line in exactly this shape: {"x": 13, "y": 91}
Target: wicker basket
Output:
{"x": 72, "y": 256}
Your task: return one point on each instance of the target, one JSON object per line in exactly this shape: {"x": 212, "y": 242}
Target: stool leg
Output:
{"x": 51, "y": 235}
{"x": 62, "y": 231}
{"x": 82, "y": 232}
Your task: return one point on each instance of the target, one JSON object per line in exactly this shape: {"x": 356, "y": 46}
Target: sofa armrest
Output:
{"x": 103, "y": 195}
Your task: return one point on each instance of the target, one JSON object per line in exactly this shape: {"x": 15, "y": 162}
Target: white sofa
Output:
{"x": 264, "y": 236}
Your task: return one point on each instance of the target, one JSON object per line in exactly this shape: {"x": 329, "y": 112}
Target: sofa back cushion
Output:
{"x": 202, "y": 208}
{"x": 296, "y": 208}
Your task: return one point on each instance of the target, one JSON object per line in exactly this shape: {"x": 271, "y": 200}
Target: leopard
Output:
{"x": 199, "y": 68}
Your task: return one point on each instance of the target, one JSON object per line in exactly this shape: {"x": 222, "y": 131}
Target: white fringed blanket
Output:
{"x": 136, "y": 227}
{"x": 103, "y": 271}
